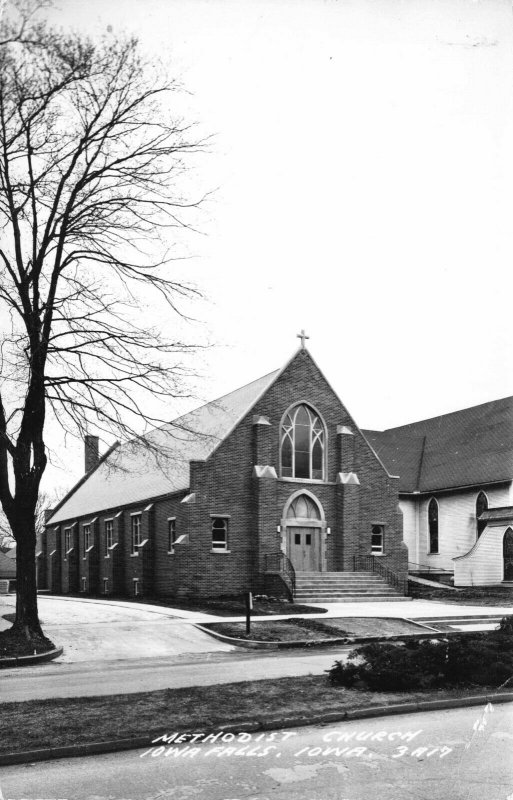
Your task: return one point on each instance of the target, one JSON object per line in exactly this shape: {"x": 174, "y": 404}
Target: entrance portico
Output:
{"x": 304, "y": 532}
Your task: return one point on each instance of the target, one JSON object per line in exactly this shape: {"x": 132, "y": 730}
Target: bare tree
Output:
{"x": 45, "y": 503}
{"x": 89, "y": 164}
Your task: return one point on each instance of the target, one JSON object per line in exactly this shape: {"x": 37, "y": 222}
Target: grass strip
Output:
{"x": 59, "y": 722}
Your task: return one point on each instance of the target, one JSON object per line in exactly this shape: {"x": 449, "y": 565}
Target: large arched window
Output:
{"x": 302, "y": 444}
{"x": 433, "y": 525}
{"x": 481, "y": 506}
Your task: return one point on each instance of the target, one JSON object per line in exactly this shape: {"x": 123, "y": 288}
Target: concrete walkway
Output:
{"x": 97, "y": 630}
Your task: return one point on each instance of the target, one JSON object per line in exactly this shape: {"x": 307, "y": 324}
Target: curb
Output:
{"x": 37, "y": 658}
{"x": 263, "y": 724}
{"x": 336, "y": 642}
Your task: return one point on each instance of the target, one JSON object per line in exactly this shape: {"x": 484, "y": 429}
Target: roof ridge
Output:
{"x": 212, "y": 402}
{"x": 441, "y": 416}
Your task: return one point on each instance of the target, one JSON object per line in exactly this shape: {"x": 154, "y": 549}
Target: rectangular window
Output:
{"x": 109, "y": 528}
{"x": 105, "y": 586}
{"x": 136, "y": 587}
{"x": 136, "y": 533}
{"x": 84, "y": 584}
{"x": 171, "y": 535}
{"x": 377, "y": 540}
{"x": 67, "y": 540}
{"x": 87, "y": 538}
{"x": 219, "y": 533}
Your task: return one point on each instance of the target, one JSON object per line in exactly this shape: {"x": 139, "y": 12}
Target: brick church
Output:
{"x": 268, "y": 489}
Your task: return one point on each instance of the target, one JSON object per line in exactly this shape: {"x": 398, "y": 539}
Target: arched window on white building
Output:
{"x": 481, "y": 506}
{"x": 433, "y": 525}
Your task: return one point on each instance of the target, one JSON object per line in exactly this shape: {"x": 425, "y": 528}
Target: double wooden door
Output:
{"x": 304, "y": 548}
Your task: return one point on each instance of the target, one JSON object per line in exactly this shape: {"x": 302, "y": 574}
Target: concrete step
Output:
{"x": 326, "y": 592}
{"x": 353, "y": 599}
{"x": 345, "y": 574}
{"x": 344, "y": 587}
{"x": 342, "y": 584}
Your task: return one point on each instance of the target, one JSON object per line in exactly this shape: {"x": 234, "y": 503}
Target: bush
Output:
{"x": 392, "y": 667}
{"x": 481, "y": 659}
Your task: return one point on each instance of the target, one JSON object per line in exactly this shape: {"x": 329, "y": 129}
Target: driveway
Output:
{"x": 96, "y": 630}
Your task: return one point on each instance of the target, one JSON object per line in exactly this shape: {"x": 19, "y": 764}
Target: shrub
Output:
{"x": 481, "y": 659}
{"x": 392, "y": 667}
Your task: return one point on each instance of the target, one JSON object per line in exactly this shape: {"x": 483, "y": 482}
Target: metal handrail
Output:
{"x": 280, "y": 563}
{"x": 372, "y": 564}
{"x": 412, "y": 567}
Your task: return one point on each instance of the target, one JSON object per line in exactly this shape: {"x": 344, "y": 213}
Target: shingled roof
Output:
{"x": 471, "y": 447}
{"x": 134, "y": 473}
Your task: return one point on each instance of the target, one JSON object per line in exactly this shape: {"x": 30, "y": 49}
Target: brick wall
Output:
{"x": 252, "y": 501}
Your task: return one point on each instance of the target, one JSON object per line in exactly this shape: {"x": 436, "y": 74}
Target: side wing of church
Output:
{"x": 456, "y": 492}
{"x": 271, "y": 488}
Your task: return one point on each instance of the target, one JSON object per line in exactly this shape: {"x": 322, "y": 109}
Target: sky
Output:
{"x": 362, "y": 161}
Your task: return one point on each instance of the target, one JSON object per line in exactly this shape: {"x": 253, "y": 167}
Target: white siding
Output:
{"x": 457, "y": 532}
{"x": 483, "y": 566}
{"x": 410, "y": 523}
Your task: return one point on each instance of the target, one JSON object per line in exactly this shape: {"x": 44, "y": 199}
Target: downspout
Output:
{"x": 418, "y": 501}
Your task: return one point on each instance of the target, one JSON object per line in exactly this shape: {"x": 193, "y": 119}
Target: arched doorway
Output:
{"x": 304, "y": 525}
{"x": 507, "y": 554}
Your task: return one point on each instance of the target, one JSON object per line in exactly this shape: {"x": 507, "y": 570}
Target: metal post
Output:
{"x": 249, "y": 608}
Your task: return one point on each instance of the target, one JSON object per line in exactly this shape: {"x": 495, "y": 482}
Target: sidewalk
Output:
{"x": 99, "y": 630}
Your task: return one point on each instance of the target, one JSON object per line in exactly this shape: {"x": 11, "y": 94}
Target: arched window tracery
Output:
{"x": 302, "y": 444}
{"x": 303, "y": 507}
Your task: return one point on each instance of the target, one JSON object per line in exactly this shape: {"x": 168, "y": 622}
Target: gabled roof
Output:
{"x": 471, "y": 447}
{"x": 134, "y": 473}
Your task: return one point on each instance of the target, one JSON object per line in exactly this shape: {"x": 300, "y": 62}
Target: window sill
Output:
{"x": 378, "y": 555}
{"x": 433, "y": 554}
{"x": 107, "y": 556}
{"x": 170, "y": 552}
{"x": 134, "y": 555}
{"x": 303, "y": 480}
{"x": 220, "y": 551}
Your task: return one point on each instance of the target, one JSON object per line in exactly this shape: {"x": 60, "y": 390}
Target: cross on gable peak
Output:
{"x": 302, "y": 336}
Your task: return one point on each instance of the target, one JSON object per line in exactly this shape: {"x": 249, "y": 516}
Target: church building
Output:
{"x": 274, "y": 489}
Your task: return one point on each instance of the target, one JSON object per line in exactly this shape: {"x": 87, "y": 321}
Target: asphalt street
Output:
{"x": 460, "y": 754}
{"x": 145, "y": 674}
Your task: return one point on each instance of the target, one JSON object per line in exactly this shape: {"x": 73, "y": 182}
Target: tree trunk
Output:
{"x": 27, "y": 618}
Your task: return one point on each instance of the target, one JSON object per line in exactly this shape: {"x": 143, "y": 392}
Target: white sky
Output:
{"x": 363, "y": 152}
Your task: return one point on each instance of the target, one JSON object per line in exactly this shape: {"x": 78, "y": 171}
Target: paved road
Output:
{"x": 117, "y": 677}
{"x": 429, "y": 756}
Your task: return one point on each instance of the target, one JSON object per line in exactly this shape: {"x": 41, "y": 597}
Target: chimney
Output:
{"x": 91, "y": 452}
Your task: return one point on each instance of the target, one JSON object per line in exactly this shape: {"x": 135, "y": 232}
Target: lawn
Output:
{"x": 299, "y": 629}
{"x": 51, "y": 723}
{"x": 469, "y": 596}
{"x": 15, "y": 644}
